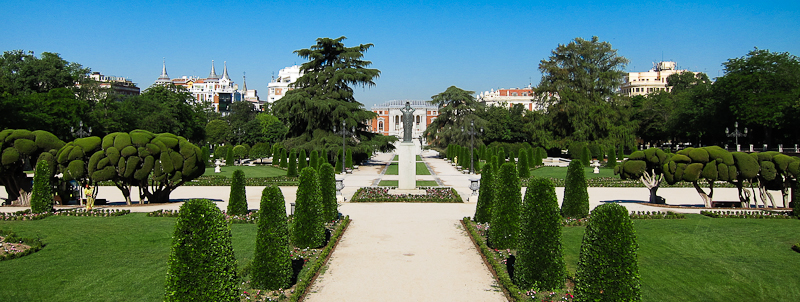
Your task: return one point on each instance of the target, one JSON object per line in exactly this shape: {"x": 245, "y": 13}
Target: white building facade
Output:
{"x": 280, "y": 86}
{"x": 509, "y": 97}
{"x": 642, "y": 83}
{"x": 390, "y": 119}
{"x": 221, "y": 92}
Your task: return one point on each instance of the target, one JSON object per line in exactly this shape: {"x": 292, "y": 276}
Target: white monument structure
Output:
{"x": 407, "y": 165}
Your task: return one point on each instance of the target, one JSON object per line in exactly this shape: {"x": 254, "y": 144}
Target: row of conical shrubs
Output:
{"x": 295, "y": 162}
{"x": 533, "y": 228}
{"x": 527, "y": 156}
{"x": 202, "y": 266}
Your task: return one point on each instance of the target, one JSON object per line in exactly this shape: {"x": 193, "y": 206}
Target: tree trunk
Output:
{"x": 744, "y": 195}
{"x": 653, "y": 182}
{"x": 706, "y": 197}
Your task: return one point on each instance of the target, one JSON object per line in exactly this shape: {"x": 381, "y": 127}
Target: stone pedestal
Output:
{"x": 407, "y": 166}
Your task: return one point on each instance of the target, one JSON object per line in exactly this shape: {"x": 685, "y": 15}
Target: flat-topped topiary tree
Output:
{"x": 540, "y": 261}
{"x": 272, "y": 265}
{"x": 504, "y": 227}
{"x": 308, "y": 230}
{"x": 646, "y": 166}
{"x": 202, "y": 266}
{"x": 21, "y": 149}
{"x": 608, "y": 268}
{"x": 327, "y": 189}
{"x": 483, "y": 210}
{"x": 237, "y": 202}
{"x": 576, "y": 195}
{"x": 77, "y": 160}
{"x": 695, "y": 164}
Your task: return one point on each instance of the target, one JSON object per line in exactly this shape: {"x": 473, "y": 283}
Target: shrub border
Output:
{"x": 35, "y": 245}
{"x": 305, "y": 282}
{"x": 510, "y": 290}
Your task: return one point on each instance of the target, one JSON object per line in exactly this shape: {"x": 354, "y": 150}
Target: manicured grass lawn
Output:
{"x": 706, "y": 259}
{"x": 257, "y": 171}
{"x": 561, "y": 172}
{"x": 421, "y": 169}
{"x": 396, "y": 158}
{"x": 420, "y": 183}
{"x": 99, "y": 258}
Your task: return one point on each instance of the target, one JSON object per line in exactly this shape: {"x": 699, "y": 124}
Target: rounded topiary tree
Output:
{"x": 540, "y": 262}
{"x": 240, "y": 152}
{"x": 237, "y": 203}
{"x": 522, "y": 166}
{"x": 308, "y": 230}
{"x": 272, "y": 265}
{"x": 302, "y": 160}
{"x": 42, "y": 194}
{"x": 327, "y": 188}
{"x": 504, "y": 227}
{"x": 608, "y": 267}
{"x": 483, "y": 210}
{"x": 229, "y": 159}
{"x": 291, "y": 170}
{"x": 576, "y": 195}
{"x": 202, "y": 266}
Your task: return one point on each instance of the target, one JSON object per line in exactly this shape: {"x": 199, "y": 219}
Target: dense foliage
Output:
{"x": 576, "y": 195}
{"x": 237, "y": 202}
{"x": 505, "y": 209}
{"x": 202, "y": 266}
{"x": 608, "y": 267}
{"x": 21, "y": 149}
{"x": 540, "y": 263}
{"x": 308, "y": 230}
{"x": 272, "y": 266}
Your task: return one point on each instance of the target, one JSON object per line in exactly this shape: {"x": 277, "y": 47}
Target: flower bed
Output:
{"x": 13, "y": 246}
{"x": 497, "y": 260}
{"x": 749, "y": 214}
{"x": 23, "y": 215}
{"x": 222, "y": 181}
{"x": 314, "y": 260}
{"x": 251, "y": 216}
{"x": 381, "y": 194}
{"x": 656, "y": 215}
{"x": 92, "y": 212}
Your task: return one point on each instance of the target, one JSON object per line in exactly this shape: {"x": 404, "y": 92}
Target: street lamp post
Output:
{"x": 80, "y": 133}
{"x": 472, "y": 133}
{"x": 344, "y": 132}
{"x": 736, "y": 134}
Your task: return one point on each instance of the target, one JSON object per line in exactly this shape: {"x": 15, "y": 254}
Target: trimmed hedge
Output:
{"x": 522, "y": 166}
{"x": 608, "y": 267}
{"x": 272, "y": 265}
{"x": 291, "y": 171}
{"x": 327, "y": 188}
{"x": 540, "y": 262}
{"x": 42, "y": 195}
{"x": 202, "y": 265}
{"x": 483, "y": 210}
{"x": 576, "y": 195}
{"x": 505, "y": 211}
{"x": 237, "y": 202}
{"x": 308, "y": 230}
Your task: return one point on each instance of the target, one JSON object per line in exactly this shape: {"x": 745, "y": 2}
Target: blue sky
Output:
{"x": 421, "y": 47}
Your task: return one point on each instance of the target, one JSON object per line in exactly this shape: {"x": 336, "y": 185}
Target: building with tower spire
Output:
{"x": 220, "y": 93}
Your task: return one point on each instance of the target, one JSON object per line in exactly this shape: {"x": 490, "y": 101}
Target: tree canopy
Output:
{"x": 457, "y": 108}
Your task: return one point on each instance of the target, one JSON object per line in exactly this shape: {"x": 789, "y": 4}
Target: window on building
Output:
{"x": 417, "y": 119}
{"x": 380, "y": 126}
{"x": 514, "y": 94}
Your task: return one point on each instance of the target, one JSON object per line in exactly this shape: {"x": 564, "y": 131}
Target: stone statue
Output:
{"x": 408, "y": 121}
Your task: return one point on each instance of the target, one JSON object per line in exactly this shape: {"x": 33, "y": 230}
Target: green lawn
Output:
{"x": 395, "y": 158}
{"x": 705, "y": 259}
{"x": 420, "y": 183}
{"x": 257, "y": 171}
{"x": 561, "y": 172}
{"x": 421, "y": 169}
{"x": 99, "y": 258}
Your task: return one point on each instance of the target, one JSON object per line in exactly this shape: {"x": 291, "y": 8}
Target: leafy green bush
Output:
{"x": 327, "y": 188}
{"x": 292, "y": 165}
{"x": 608, "y": 268}
{"x": 483, "y": 210}
{"x": 308, "y": 230}
{"x": 237, "y": 203}
{"x": 302, "y": 160}
{"x": 229, "y": 160}
{"x": 42, "y": 195}
{"x": 272, "y": 265}
{"x": 540, "y": 263}
{"x": 522, "y": 167}
{"x": 612, "y": 158}
{"x": 505, "y": 211}
{"x": 202, "y": 266}
{"x": 576, "y": 195}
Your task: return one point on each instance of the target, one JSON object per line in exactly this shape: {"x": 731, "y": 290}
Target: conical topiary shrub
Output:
{"x": 608, "y": 268}
{"x": 284, "y": 159}
{"x": 540, "y": 261}
{"x": 291, "y": 170}
{"x": 313, "y": 160}
{"x": 612, "y": 158}
{"x": 522, "y": 166}
{"x": 586, "y": 156}
{"x": 576, "y": 195}
{"x": 504, "y": 228}
{"x": 302, "y": 160}
{"x": 41, "y": 193}
{"x": 483, "y": 210}
{"x": 327, "y": 188}
{"x": 237, "y": 202}
{"x": 229, "y": 161}
{"x": 338, "y": 162}
{"x": 202, "y": 266}
{"x": 308, "y": 230}
{"x": 272, "y": 265}
{"x": 349, "y": 159}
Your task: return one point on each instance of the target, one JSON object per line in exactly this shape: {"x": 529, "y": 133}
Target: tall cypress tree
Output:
{"x": 302, "y": 160}
{"x": 501, "y": 158}
{"x": 272, "y": 265}
{"x": 540, "y": 261}
{"x": 229, "y": 161}
{"x": 313, "y": 160}
{"x": 308, "y": 230}
{"x": 608, "y": 268}
{"x": 612, "y": 157}
{"x": 237, "y": 202}
{"x": 202, "y": 265}
{"x": 291, "y": 171}
{"x": 349, "y": 158}
{"x": 483, "y": 210}
{"x": 327, "y": 188}
{"x": 338, "y": 161}
{"x": 576, "y": 195}
{"x": 586, "y": 156}
{"x": 522, "y": 167}
{"x": 284, "y": 159}
{"x": 504, "y": 228}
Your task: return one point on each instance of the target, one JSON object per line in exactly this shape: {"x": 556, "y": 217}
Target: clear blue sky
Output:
{"x": 421, "y": 47}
